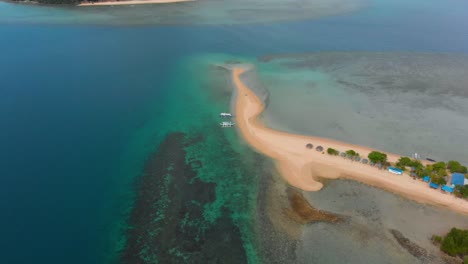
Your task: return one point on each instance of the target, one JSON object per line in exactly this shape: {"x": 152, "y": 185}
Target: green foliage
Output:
{"x": 437, "y": 238}
{"x": 461, "y": 191}
{"x": 403, "y": 161}
{"x": 438, "y": 166}
{"x": 455, "y": 242}
{"x": 442, "y": 172}
{"x": 437, "y": 179}
{"x": 332, "y": 151}
{"x": 465, "y": 260}
{"x": 376, "y": 157}
{"x": 352, "y": 153}
{"x": 455, "y": 166}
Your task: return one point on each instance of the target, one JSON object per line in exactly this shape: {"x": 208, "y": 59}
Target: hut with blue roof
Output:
{"x": 426, "y": 178}
{"x": 447, "y": 188}
{"x": 458, "y": 179}
{"x": 434, "y": 185}
{"x": 395, "y": 170}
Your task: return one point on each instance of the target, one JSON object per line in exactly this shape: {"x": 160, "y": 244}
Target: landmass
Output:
{"x": 303, "y": 167}
{"x": 130, "y": 2}
{"x": 101, "y": 3}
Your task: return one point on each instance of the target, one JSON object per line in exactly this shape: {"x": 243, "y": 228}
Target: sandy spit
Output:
{"x": 302, "y": 167}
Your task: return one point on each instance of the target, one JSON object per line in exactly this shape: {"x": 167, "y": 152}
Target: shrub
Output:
{"x": 352, "y": 153}
{"x": 332, "y": 151}
{"x": 377, "y": 157}
{"x": 455, "y": 242}
{"x": 437, "y": 238}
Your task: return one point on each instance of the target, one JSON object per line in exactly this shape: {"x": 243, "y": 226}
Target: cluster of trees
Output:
{"x": 455, "y": 166}
{"x": 352, "y": 153}
{"x": 333, "y": 151}
{"x": 404, "y": 162}
{"x": 377, "y": 157}
{"x": 455, "y": 243}
{"x": 461, "y": 191}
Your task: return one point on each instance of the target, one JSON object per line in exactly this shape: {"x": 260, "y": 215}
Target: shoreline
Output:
{"x": 302, "y": 167}
{"x": 132, "y": 2}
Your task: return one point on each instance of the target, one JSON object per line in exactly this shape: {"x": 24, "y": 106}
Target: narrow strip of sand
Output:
{"x": 302, "y": 167}
{"x": 132, "y": 2}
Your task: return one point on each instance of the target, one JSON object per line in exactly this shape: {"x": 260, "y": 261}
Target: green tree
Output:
{"x": 455, "y": 242}
{"x": 455, "y": 166}
{"x": 404, "y": 161}
{"x": 437, "y": 179}
{"x": 376, "y": 156}
{"x": 332, "y": 151}
{"x": 352, "y": 153}
{"x": 461, "y": 191}
{"x": 442, "y": 172}
{"x": 439, "y": 165}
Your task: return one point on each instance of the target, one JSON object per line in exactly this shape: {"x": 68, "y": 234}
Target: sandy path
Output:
{"x": 133, "y": 2}
{"x": 301, "y": 166}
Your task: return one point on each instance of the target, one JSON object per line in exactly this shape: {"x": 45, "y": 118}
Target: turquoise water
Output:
{"x": 83, "y": 106}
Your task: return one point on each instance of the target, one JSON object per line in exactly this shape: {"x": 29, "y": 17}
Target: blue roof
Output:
{"x": 395, "y": 169}
{"x": 427, "y": 178}
{"x": 458, "y": 179}
{"x": 447, "y": 188}
{"x": 433, "y": 185}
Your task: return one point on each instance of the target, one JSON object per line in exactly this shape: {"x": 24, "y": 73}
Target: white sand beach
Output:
{"x": 302, "y": 167}
{"x": 132, "y": 2}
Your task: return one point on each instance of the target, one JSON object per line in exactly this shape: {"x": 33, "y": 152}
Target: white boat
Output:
{"x": 225, "y": 115}
{"x": 226, "y": 124}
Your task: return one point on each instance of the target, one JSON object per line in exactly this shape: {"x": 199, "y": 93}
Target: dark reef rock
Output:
{"x": 412, "y": 247}
{"x": 167, "y": 223}
{"x": 301, "y": 211}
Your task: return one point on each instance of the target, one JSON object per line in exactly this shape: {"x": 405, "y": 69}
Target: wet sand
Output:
{"x": 132, "y": 2}
{"x": 302, "y": 167}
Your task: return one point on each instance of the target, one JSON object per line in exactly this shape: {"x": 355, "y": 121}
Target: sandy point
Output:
{"x": 303, "y": 167}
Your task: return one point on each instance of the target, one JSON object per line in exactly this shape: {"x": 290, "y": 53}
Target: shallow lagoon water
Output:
{"x": 403, "y": 103}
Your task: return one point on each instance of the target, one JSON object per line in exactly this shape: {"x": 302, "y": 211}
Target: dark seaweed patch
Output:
{"x": 167, "y": 223}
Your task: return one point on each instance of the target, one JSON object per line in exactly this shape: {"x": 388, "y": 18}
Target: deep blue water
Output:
{"x": 72, "y": 96}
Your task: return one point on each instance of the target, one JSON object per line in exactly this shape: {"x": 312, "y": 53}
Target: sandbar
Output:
{"x": 302, "y": 167}
{"x": 132, "y": 2}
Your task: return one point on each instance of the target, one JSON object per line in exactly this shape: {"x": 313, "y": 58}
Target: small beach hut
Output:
{"x": 447, "y": 188}
{"x": 434, "y": 185}
{"x": 364, "y": 161}
{"x": 379, "y": 165}
{"x": 395, "y": 170}
{"x": 342, "y": 154}
{"x": 309, "y": 146}
{"x": 458, "y": 179}
{"x": 349, "y": 156}
{"x": 372, "y": 164}
{"x": 413, "y": 175}
{"x": 426, "y": 178}
{"x": 357, "y": 158}
{"x": 319, "y": 148}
